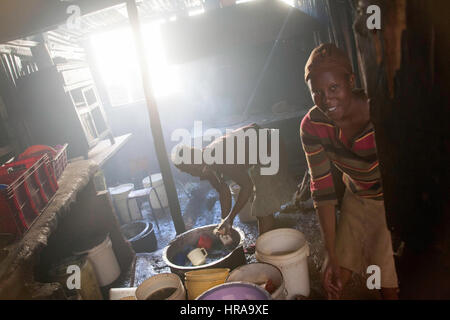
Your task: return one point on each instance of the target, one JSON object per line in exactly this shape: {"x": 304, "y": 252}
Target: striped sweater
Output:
{"x": 323, "y": 143}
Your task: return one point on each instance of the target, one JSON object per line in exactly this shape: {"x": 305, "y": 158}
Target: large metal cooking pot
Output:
{"x": 233, "y": 260}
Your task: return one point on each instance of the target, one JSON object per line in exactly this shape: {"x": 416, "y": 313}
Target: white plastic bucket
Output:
{"x": 104, "y": 262}
{"x": 160, "y": 282}
{"x": 259, "y": 273}
{"x": 120, "y": 196}
{"x": 245, "y": 215}
{"x": 288, "y": 250}
{"x": 158, "y": 184}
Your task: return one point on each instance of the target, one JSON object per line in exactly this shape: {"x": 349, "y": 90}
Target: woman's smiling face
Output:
{"x": 331, "y": 92}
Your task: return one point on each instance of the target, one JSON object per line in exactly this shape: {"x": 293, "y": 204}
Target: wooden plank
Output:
{"x": 70, "y": 32}
{"x": 74, "y": 76}
{"x": 23, "y": 43}
{"x": 12, "y": 66}
{"x": 71, "y": 65}
{"x": 82, "y": 110}
{"x": 78, "y": 85}
{"x": 18, "y": 50}
{"x": 104, "y": 150}
{"x": 50, "y": 38}
{"x": 28, "y": 17}
{"x": 8, "y": 69}
{"x": 68, "y": 55}
{"x": 60, "y": 47}
{"x": 5, "y": 68}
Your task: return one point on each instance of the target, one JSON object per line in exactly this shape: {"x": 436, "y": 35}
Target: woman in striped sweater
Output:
{"x": 338, "y": 130}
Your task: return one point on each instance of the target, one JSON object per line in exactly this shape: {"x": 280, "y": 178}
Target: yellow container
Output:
{"x": 199, "y": 281}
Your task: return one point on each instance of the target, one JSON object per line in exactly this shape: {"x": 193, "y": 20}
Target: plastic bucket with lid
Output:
{"x": 288, "y": 250}
{"x": 119, "y": 195}
{"x": 245, "y": 215}
{"x": 199, "y": 281}
{"x": 163, "y": 286}
{"x": 158, "y": 184}
{"x": 104, "y": 262}
{"x": 260, "y": 273}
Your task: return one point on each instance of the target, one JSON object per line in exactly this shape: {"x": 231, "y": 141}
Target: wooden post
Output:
{"x": 155, "y": 122}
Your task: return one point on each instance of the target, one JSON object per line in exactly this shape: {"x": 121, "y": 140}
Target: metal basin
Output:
{"x": 141, "y": 235}
{"x": 233, "y": 260}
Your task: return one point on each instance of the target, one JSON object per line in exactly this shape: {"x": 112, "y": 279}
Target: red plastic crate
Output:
{"x": 30, "y": 185}
{"x": 60, "y": 161}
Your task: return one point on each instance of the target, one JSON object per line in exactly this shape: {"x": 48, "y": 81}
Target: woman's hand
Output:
{"x": 332, "y": 282}
{"x": 225, "y": 226}
{"x": 332, "y": 278}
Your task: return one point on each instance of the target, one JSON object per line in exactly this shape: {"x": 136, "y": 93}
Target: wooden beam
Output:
{"x": 155, "y": 122}
{"x": 22, "y": 18}
{"x": 23, "y": 43}
{"x": 17, "y": 50}
{"x": 104, "y": 150}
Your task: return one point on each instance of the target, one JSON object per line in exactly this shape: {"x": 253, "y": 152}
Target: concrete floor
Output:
{"x": 199, "y": 210}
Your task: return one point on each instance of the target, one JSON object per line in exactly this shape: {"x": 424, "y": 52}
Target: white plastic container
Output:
{"x": 158, "y": 184}
{"x": 103, "y": 261}
{"x": 119, "y": 195}
{"x": 288, "y": 250}
{"x": 245, "y": 215}
{"x": 160, "y": 282}
{"x": 259, "y": 273}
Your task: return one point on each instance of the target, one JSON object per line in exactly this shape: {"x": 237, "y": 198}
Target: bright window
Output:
{"x": 119, "y": 66}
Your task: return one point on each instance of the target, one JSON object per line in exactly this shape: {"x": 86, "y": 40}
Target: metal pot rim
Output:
{"x": 203, "y": 266}
{"x": 148, "y": 228}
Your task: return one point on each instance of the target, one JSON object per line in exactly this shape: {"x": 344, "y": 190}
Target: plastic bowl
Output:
{"x": 235, "y": 291}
